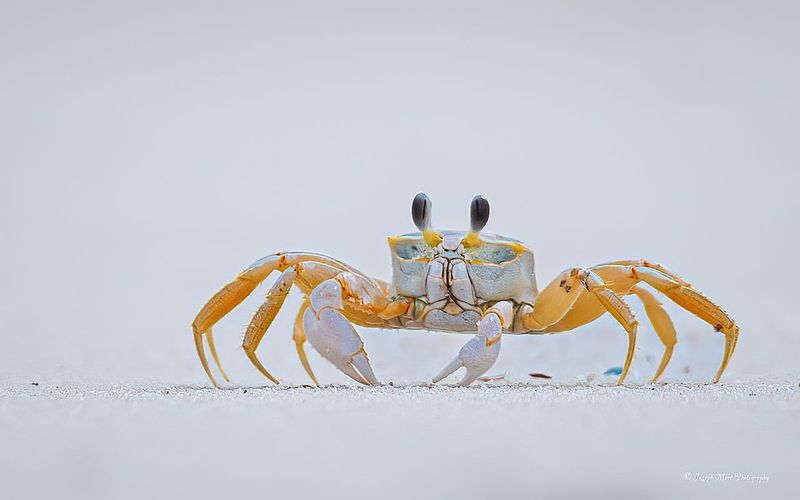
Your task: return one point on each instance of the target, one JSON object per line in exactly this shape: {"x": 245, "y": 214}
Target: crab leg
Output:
{"x": 264, "y": 316}
{"x": 622, "y": 277}
{"x": 553, "y": 302}
{"x": 662, "y": 324}
{"x": 213, "y": 349}
{"x": 644, "y": 263}
{"x": 558, "y": 298}
{"x": 307, "y": 275}
{"x": 620, "y": 311}
{"x": 696, "y": 303}
{"x": 299, "y": 337}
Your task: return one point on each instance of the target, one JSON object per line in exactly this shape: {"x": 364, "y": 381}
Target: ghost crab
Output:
{"x": 451, "y": 281}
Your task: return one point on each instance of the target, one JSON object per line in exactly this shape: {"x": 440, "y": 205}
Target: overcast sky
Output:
{"x": 151, "y": 150}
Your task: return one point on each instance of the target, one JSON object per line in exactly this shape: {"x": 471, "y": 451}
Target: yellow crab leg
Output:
{"x": 685, "y": 296}
{"x": 213, "y": 349}
{"x": 201, "y": 353}
{"x": 644, "y": 263}
{"x": 696, "y": 303}
{"x": 662, "y": 324}
{"x": 299, "y": 336}
{"x": 559, "y": 297}
{"x": 264, "y": 316}
{"x": 218, "y": 306}
{"x": 553, "y": 302}
{"x": 620, "y": 310}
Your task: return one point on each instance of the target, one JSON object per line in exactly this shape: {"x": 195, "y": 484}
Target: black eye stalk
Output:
{"x": 478, "y": 217}
{"x": 478, "y": 213}
{"x": 421, "y": 211}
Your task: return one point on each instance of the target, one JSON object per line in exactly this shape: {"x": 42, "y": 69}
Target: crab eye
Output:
{"x": 421, "y": 211}
{"x": 478, "y": 213}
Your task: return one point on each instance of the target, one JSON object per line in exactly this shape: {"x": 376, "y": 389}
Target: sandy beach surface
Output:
{"x": 493, "y": 440}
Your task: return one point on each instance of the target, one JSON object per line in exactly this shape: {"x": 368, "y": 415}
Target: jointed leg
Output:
{"x": 299, "y": 337}
{"x": 553, "y": 302}
{"x": 558, "y": 298}
{"x": 680, "y": 292}
{"x": 644, "y": 263}
{"x": 213, "y": 349}
{"x": 264, "y": 316}
{"x": 218, "y": 306}
{"x": 620, "y": 310}
{"x": 662, "y": 324}
{"x": 696, "y": 303}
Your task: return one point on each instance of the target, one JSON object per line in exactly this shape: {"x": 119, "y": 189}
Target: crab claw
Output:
{"x": 332, "y": 335}
{"x": 478, "y": 354}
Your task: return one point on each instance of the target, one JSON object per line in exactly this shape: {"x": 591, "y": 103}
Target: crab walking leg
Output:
{"x": 213, "y": 349}
{"x": 233, "y": 293}
{"x": 620, "y": 310}
{"x": 264, "y": 316}
{"x": 553, "y": 302}
{"x": 644, "y": 263}
{"x": 299, "y": 337}
{"x": 481, "y": 351}
{"x": 306, "y": 275}
{"x": 699, "y": 305}
{"x": 558, "y": 298}
{"x": 332, "y": 335}
{"x": 219, "y": 305}
{"x": 682, "y": 294}
{"x": 662, "y": 324}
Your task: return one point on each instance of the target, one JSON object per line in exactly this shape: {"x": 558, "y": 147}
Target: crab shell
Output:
{"x": 499, "y": 268}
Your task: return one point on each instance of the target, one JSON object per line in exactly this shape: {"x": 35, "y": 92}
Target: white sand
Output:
{"x": 511, "y": 439}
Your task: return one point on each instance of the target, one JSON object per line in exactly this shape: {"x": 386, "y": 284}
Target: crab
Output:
{"x": 451, "y": 281}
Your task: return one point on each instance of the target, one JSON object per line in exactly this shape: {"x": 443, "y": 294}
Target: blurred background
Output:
{"x": 152, "y": 150}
